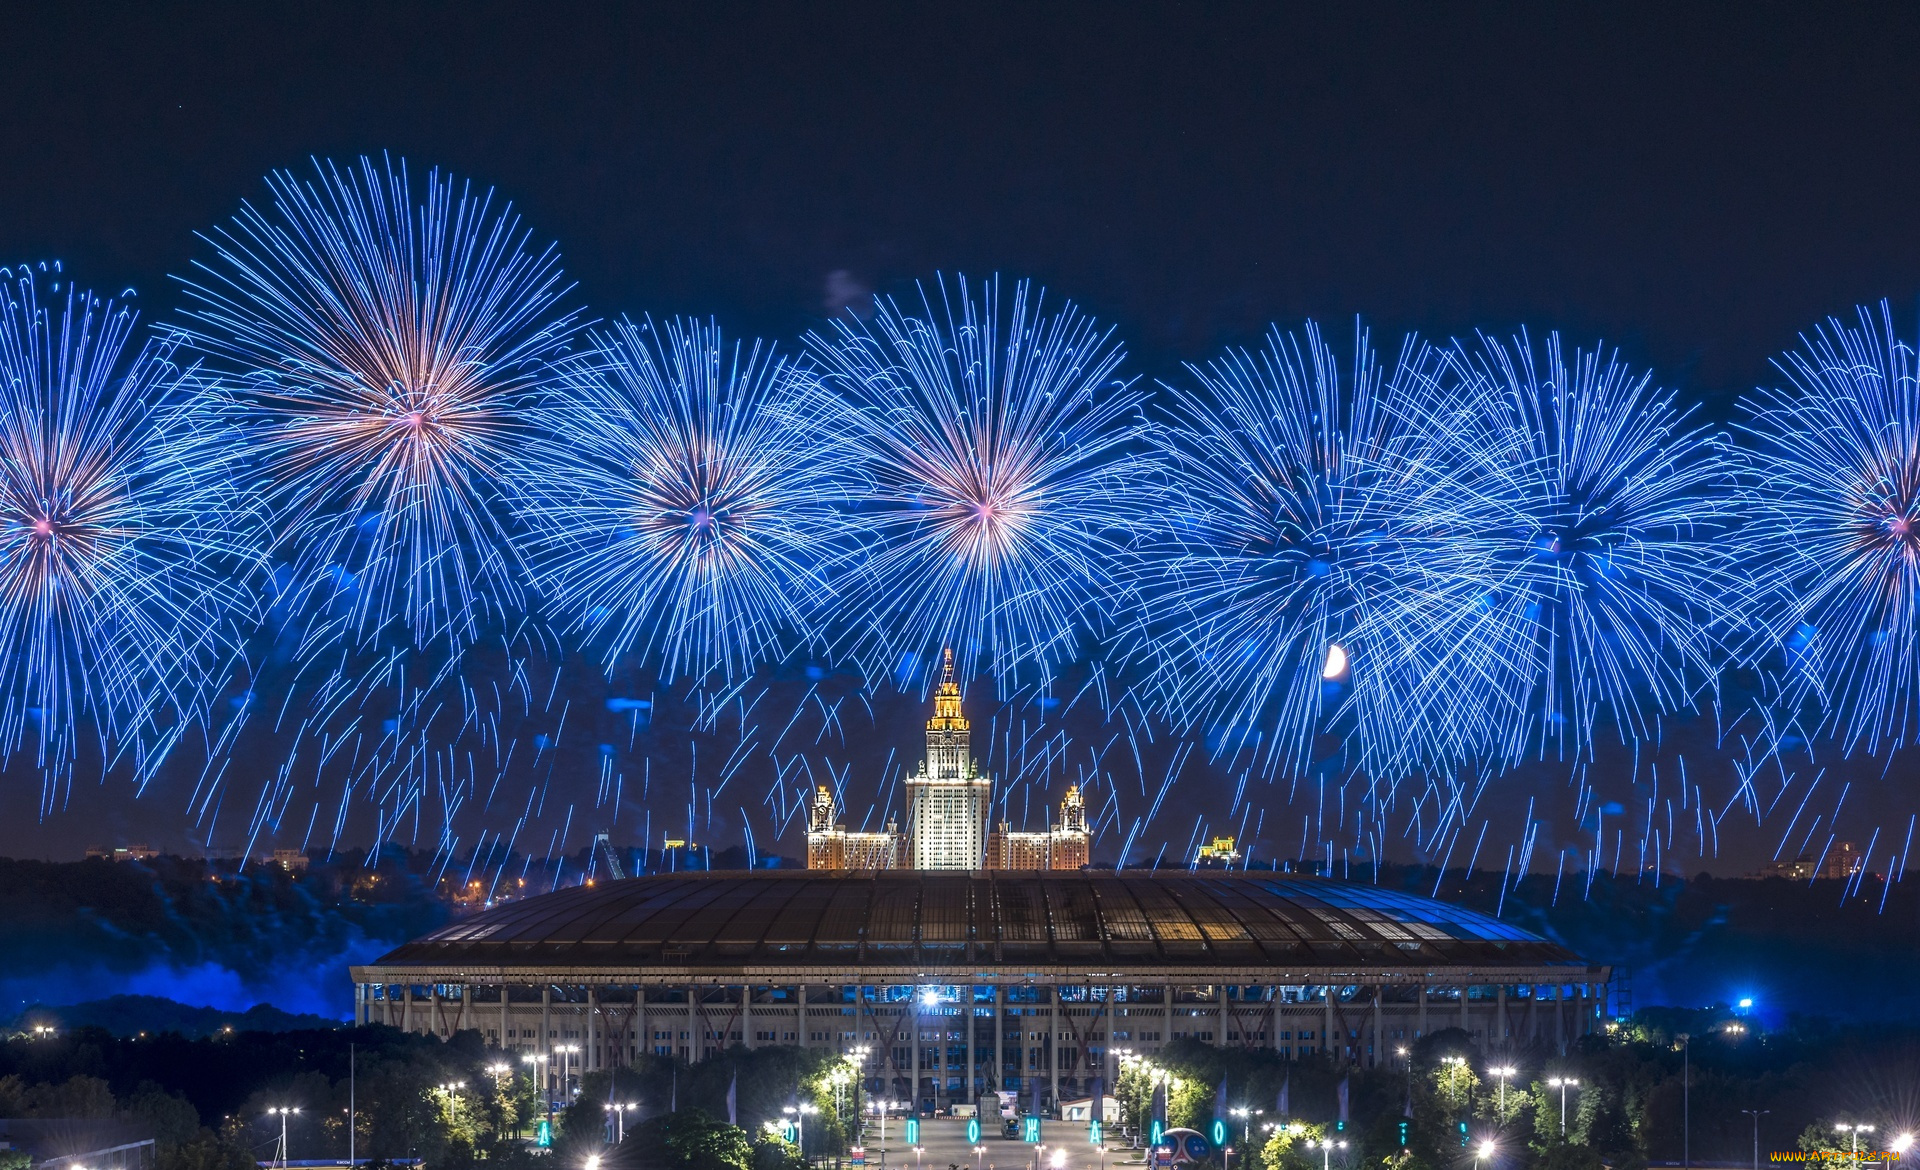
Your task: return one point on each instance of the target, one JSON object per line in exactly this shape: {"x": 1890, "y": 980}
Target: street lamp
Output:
{"x": 1485, "y": 1150}
{"x": 450, "y": 1088}
{"x": 567, "y": 1053}
{"x": 536, "y": 1071}
{"x": 800, "y": 1122}
{"x": 1562, "y": 1084}
{"x": 1856, "y": 1131}
{"x": 619, "y": 1112}
{"x": 1503, "y": 1071}
{"x": 283, "y": 1111}
{"x": 1326, "y": 1152}
{"x": 1686, "y": 1101}
{"x": 1756, "y": 1114}
{"x": 1246, "y": 1126}
{"x": 858, "y": 1055}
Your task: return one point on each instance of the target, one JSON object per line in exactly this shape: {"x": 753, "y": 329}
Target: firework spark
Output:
{"x": 1834, "y": 529}
{"x": 385, "y": 343}
{"x": 681, "y": 502}
{"x": 997, "y": 445}
{"x": 124, "y": 550}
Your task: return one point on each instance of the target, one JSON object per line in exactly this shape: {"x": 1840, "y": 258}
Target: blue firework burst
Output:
{"x": 1833, "y": 541}
{"x": 682, "y": 499}
{"x": 1301, "y": 581}
{"x": 996, "y": 444}
{"x": 125, "y": 552}
{"x": 1598, "y": 515}
{"x": 385, "y": 341}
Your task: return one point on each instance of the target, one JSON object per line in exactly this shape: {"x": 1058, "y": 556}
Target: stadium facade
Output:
{"x": 962, "y": 983}
{"x": 999, "y": 962}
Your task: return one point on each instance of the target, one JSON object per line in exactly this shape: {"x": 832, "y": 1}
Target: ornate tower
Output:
{"x": 949, "y": 799}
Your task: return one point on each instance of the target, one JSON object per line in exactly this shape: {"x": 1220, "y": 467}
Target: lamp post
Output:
{"x": 1326, "y": 1152}
{"x": 1756, "y": 1114}
{"x": 1484, "y": 1151}
{"x": 858, "y": 1054}
{"x": 535, "y": 1071}
{"x": 800, "y": 1122}
{"x": 283, "y": 1111}
{"x": 1503, "y": 1071}
{"x": 1246, "y": 1125}
{"x": 452, "y": 1089}
{"x": 1856, "y": 1131}
{"x": 567, "y": 1052}
{"x": 1562, "y": 1083}
{"x": 619, "y": 1112}
{"x": 1686, "y": 1101}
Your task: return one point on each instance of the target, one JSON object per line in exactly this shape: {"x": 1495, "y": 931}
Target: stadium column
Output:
{"x": 1166, "y": 1004}
{"x": 1500, "y": 1013}
{"x": 592, "y": 1061}
{"x": 1422, "y": 1025}
{"x": 1373, "y": 1054}
{"x": 546, "y": 1034}
{"x": 1465, "y": 1024}
{"x": 406, "y": 1010}
{"x": 433, "y": 1010}
{"x": 694, "y": 1040}
{"x": 913, "y": 1000}
{"x": 503, "y": 1017}
{"x": 1051, "y": 1053}
{"x": 640, "y": 1025}
{"x": 1273, "y": 1028}
{"x": 1560, "y": 1017}
{"x": 1326, "y": 1021}
{"x": 746, "y": 1015}
{"x": 800, "y": 1017}
{"x": 998, "y": 1079}
{"x": 967, "y": 1090}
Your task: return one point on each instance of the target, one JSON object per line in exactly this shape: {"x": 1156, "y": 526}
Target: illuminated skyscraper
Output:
{"x": 948, "y": 799}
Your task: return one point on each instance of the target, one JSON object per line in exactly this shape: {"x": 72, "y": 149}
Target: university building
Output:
{"x": 949, "y": 803}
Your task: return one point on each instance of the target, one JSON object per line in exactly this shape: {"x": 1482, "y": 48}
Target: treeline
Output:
{"x": 455, "y": 1103}
{"x": 1641, "y": 1095}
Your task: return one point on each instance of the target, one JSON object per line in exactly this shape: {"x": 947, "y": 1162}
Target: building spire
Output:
{"x": 946, "y": 675}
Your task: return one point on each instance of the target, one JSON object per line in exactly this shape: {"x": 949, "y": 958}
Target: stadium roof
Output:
{"x": 838, "y": 927}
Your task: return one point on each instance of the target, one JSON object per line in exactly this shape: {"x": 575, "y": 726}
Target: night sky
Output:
{"x": 1696, "y": 184}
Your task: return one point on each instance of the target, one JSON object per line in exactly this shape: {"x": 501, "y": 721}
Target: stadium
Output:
{"x": 958, "y": 983}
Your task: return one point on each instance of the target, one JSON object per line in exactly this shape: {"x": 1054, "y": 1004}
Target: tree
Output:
{"x": 1289, "y": 1147}
{"x": 689, "y": 1139}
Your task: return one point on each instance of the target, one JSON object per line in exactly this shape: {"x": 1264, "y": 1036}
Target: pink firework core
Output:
{"x": 43, "y": 527}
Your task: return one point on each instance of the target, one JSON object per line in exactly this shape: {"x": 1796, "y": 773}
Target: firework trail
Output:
{"x": 1600, "y": 516}
{"x": 1300, "y": 581}
{"x": 680, "y": 500}
{"x": 1833, "y": 538}
{"x": 125, "y": 554}
{"x": 998, "y": 447}
{"x": 385, "y": 342}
